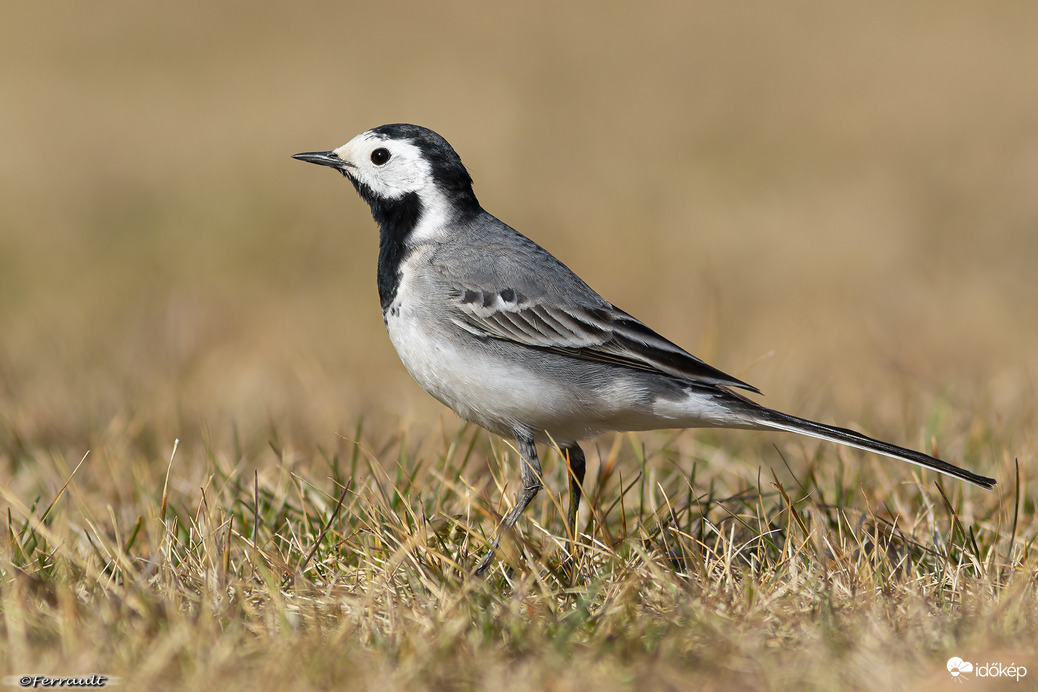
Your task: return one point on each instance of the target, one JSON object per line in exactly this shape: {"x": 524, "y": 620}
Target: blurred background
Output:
{"x": 838, "y": 204}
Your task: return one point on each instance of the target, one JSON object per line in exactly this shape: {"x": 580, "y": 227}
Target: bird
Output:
{"x": 507, "y": 336}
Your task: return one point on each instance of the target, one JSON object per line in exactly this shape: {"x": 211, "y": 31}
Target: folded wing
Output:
{"x": 601, "y": 333}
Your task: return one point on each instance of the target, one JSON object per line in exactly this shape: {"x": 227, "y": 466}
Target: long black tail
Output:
{"x": 777, "y": 420}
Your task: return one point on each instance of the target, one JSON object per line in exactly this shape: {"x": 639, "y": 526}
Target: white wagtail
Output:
{"x": 496, "y": 328}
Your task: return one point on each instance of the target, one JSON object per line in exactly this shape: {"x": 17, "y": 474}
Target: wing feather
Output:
{"x": 600, "y": 333}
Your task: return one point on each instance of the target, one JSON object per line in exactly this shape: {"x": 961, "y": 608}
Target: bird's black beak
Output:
{"x": 321, "y": 158}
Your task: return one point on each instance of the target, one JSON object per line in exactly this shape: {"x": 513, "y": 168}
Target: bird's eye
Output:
{"x": 380, "y": 156}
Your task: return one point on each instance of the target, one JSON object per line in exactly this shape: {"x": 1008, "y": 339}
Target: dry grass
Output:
{"x": 355, "y": 569}
{"x": 834, "y": 203}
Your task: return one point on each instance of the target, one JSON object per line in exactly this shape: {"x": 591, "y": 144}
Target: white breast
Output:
{"x": 485, "y": 391}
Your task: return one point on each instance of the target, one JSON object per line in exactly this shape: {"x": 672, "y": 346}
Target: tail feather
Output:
{"x": 777, "y": 420}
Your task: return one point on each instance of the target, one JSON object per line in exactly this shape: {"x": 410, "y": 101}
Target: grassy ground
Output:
{"x": 268, "y": 575}
{"x": 215, "y": 473}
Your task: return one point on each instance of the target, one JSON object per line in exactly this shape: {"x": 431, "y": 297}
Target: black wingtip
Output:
{"x": 742, "y": 385}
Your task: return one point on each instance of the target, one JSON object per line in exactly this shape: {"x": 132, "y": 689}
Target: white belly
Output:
{"x": 494, "y": 394}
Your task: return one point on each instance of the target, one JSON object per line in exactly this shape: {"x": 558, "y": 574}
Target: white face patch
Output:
{"x": 404, "y": 171}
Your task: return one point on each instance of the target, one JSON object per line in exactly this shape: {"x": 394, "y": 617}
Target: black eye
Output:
{"x": 380, "y": 156}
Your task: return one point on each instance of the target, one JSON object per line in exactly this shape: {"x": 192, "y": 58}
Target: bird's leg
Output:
{"x": 575, "y": 458}
{"x": 530, "y": 467}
